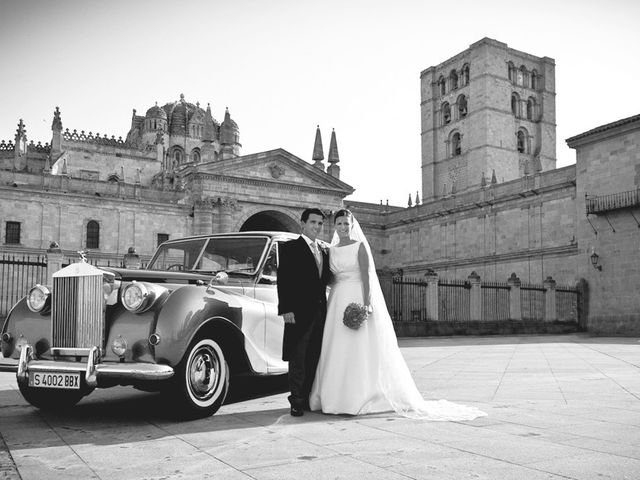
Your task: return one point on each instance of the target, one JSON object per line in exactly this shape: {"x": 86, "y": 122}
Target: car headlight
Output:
{"x": 38, "y": 298}
{"x": 139, "y": 297}
{"x": 134, "y": 296}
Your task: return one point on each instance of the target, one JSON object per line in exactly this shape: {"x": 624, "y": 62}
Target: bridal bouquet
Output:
{"x": 354, "y": 315}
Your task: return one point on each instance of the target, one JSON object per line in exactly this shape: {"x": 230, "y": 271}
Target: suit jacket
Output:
{"x": 301, "y": 288}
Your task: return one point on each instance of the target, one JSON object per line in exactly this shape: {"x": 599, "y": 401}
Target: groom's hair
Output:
{"x": 342, "y": 213}
{"x": 310, "y": 211}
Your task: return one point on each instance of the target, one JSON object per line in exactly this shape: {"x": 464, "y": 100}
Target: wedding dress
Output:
{"x": 363, "y": 371}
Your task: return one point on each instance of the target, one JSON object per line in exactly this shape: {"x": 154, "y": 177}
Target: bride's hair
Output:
{"x": 342, "y": 213}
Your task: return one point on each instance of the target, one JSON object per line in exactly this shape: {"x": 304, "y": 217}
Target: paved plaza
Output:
{"x": 559, "y": 407}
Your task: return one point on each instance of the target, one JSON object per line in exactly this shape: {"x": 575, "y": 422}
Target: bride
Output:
{"x": 362, "y": 371}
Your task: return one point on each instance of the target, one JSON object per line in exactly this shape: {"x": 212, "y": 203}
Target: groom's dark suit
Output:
{"x": 302, "y": 290}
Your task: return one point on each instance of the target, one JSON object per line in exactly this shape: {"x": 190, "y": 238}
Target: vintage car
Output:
{"x": 204, "y": 311}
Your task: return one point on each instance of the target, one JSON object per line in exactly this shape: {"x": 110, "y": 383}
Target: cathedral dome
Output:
{"x": 156, "y": 112}
{"x": 180, "y": 113}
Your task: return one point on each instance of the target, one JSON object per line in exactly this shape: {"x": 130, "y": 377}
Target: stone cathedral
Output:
{"x": 493, "y": 201}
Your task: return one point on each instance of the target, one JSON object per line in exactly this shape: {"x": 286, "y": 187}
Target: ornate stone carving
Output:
{"x": 276, "y": 170}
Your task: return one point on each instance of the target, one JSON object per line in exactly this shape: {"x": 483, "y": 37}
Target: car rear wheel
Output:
{"x": 201, "y": 379}
{"x": 50, "y": 398}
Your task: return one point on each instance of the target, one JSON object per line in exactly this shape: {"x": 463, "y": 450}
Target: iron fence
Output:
{"x": 406, "y": 299}
{"x": 18, "y": 273}
{"x": 495, "y": 301}
{"x": 566, "y": 303}
{"x": 454, "y": 297}
{"x": 532, "y": 302}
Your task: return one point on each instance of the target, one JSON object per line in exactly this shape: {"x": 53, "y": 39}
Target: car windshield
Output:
{"x": 231, "y": 254}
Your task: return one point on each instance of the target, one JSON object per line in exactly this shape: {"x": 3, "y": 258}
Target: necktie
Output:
{"x": 318, "y": 255}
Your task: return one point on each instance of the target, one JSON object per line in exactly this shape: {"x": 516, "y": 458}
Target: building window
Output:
{"x": 454, "y": 79}
{"x": 515, "y": 104}
{"x": 512, "y": 72}
{"x": 522, "y": 141}
{"x": 525, "y": 76}
{"x": 534, "y": 79}
{"x": 177, "y": 156}
{"x": 465, "y": 75}
{"x": 462, "y": 106}
{"x": 195, "y": 155}
{"x": 162, "y": 237}
{"x": 442, "y": 85}
{"x": 12, "y": 233}
{"x": 531, "y": 108}
{"x": 456, "y": 144}
{"x": 446, "y": 113}
{"x": 93, "y": 234}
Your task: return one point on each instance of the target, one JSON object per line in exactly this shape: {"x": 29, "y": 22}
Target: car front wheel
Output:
{"x": 201, "y": 380}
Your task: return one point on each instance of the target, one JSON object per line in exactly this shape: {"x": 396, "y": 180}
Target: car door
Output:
{"x": 266, "y": 292}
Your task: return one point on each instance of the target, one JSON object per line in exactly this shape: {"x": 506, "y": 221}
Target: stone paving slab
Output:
{"x": 559, "y": 407}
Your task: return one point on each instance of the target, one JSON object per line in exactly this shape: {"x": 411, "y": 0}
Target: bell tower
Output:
{"x": 489, "y": 110}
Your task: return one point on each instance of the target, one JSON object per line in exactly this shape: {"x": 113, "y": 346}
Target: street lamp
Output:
{"x": 595, "y": 258}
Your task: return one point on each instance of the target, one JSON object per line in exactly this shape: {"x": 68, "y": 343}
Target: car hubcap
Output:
{"x": 204, "y": 372}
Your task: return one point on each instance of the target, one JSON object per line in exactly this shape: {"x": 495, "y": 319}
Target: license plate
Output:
{"x": 54, "y": 380}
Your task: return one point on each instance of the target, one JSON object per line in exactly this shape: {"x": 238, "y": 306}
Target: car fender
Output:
{"x": 184, "y": 314}
{"x": 34, "y": 327}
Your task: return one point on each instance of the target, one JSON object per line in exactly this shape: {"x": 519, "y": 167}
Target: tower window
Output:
{"x": 511, "y": 72}
{"x": 520, "y": 140}
{"x": 534, "y": 79}
{"x": 465, "y": 75}
{"x": 456, "y": 144}
{"x": 12, "y": 233}
{"x": 446, "y": 113}
{"x": 462, "y": 106}
{"x": 525, "y": 76}
{"x": 515, "y": 104}
{"x": 454, "y": 79}
{"x": 93, "y": 234}
{"x": 523, "y": 141}
{"x": 442, "y": 85}
{"x": 531, "y": 108}
{"x": 195, "y": 155}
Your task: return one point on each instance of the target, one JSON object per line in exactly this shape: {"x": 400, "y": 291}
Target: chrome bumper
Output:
{"x": 93, "y": 369}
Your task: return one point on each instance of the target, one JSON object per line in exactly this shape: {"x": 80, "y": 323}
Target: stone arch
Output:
{"x": 271, "y": 220}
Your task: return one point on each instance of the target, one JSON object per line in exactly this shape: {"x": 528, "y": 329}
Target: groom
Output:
{"x": 303, "y": 273}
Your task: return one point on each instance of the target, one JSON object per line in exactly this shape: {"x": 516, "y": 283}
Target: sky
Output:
{"x": 284, "y": 66}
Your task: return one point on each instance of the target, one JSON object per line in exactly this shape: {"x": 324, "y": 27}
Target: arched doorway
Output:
{"x": 270, "y": 220}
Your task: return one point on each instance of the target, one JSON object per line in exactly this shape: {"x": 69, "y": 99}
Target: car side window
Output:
{"x": 270, "y": 270}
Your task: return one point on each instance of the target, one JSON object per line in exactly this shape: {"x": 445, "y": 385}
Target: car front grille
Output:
{"x": 77, "y": 311}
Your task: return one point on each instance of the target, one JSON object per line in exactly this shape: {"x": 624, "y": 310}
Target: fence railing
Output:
{"x": 431, "y": 299}
{"x": 18, "y": 273}
{"x": 495, "y": 301}
{"x": 614, "y": 201}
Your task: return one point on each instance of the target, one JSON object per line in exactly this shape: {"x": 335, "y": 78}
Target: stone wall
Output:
{"x": 608, "y": 163}
{"x": 57, "y": 209}
{"x": 526, "y": 226}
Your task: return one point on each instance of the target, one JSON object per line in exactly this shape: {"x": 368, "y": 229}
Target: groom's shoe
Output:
{"x": 296, "y": 412}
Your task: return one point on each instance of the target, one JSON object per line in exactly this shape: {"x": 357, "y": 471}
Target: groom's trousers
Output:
{"x": 303, "y": 359}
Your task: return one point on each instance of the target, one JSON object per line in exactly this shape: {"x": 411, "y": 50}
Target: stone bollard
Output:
{"x": 132, "y": 259}
{"x": 515, "y": 308}
{"x": 55, "y": 258}
{"x": 431, "y": 300}
{"x": 550, "y": 313}
{"x": 475, "y": 300}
